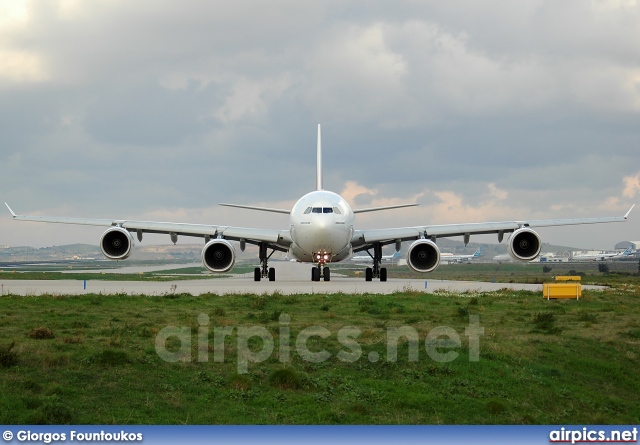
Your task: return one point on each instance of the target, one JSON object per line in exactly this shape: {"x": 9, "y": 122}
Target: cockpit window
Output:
{"x": 337, "y": 211}
{"x": 321, "y": 210}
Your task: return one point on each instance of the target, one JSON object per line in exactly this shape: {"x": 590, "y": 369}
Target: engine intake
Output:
{"x": 218, "y": 255}
{"x": 524, "y": 244}
{"x": 423, "y": 256}
{"x": 116, "y": 243}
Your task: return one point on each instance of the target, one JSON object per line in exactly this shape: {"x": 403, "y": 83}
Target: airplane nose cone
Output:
{"x": 322, "y": 233}
{"x": 322, "y": 226}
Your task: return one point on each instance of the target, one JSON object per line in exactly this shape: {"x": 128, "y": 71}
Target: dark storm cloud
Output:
{"x": 24, "y": 114}
{"x": 162, "y": 109}
{"x": 148, "y": 114}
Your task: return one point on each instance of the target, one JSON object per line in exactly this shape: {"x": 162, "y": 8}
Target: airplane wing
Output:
{"x": 279, "y": 239}
{"x": 376, "y": 209}
{"x": 364, "y": 239}
{"x": 262, "y": 209}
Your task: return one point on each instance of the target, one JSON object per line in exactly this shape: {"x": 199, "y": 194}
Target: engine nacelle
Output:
{"x": 116, "y": 243}
{"x": 423, "y": 256}
{"x": 524, "y": 244}
{"x": 218, "y": 255}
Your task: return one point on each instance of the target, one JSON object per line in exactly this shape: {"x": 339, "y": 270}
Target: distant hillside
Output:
{"x": 71, "y": 252}
{"x": 53, "y": 253}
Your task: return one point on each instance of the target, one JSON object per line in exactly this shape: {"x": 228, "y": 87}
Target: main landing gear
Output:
{"x": 264, "y": 271}
{"x": 376, "y": 271}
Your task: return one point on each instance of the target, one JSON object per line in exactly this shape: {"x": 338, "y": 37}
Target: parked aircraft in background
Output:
{"x": 503, "y": 258}
{"x": 385, "y": 258}
{"x": 321, "y": 231}
{"x": 599, "y": 256}
{"x": 452, "y": 258}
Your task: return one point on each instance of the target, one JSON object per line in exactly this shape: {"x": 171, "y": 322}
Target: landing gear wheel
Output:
{"x": 327, "y": 274}
{"x": 264, "y": 271}
{"x": 315, "y": 274}
{"x": 376, "y": 271}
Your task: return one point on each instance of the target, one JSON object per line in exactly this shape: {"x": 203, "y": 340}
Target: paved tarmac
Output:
{"x": 291, "y": 278}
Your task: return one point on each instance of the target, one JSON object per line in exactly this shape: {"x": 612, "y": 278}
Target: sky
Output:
{"x": 478, "y": 111}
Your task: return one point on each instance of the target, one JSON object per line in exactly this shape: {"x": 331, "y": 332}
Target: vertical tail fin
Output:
{"x": 319, "y": 162}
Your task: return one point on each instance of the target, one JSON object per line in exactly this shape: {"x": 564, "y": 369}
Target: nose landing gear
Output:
{"x": 321, "y": 271}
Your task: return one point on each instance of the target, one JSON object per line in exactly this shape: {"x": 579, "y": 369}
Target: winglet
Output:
{"x": 12, "y": 214}
{"x": 625, "y": 216}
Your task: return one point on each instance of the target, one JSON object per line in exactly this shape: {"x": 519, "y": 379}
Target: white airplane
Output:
{"x": 601, "y": 256}
{"x": 385, "y": 258}
{"x": 503, "y": 257}
{"x": 451, "y": 258}
{"x": 321, "y": 231}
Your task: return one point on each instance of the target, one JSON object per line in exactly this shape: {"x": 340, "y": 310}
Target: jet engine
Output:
{"x": 116, "y": 243}
{"x": 423, "y": 256}
{"x": 524, "y": 244}
{"x": 218, "y": 255}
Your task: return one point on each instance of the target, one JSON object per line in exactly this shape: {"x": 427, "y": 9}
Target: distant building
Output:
{"x": 623, "y": 245}
{"x": 553, "y": 259}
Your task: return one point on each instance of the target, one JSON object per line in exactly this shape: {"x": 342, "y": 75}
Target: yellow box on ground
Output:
{"x": 561, "y": 290}
{"x": 568, "y": 278}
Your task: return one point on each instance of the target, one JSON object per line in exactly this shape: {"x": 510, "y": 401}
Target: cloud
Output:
{"x": 482, "y": 111}
{"x": 249, "y": 98}
{"x": 452, "y": 207}
{"x": 352, "y": 191}
{"x": 13, "y": 14}
{"x": 354, "y": 73}
{"x": 631, "y": 186}
{"x": 147, "y": 114}
{"x": 21, "y": 67}
{"x": 497, "y": 193}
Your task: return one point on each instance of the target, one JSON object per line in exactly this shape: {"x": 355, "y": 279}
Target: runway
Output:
{"x": 291, "y": 278}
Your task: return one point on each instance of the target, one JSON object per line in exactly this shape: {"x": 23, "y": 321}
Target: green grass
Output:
{"x": 541, "y": 362}
{"x": 104, "y": 276}
{"x": 620, "y": 272}
{"x": 182, "y": 273}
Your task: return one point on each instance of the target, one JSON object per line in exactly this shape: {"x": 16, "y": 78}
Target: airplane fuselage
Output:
{"x": 321, "y": 228}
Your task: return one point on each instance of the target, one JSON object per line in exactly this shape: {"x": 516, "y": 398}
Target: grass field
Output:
{"x": 94, "y": 359}
{"x": 58, "y": 273}
{"x": 620, "y": 272}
